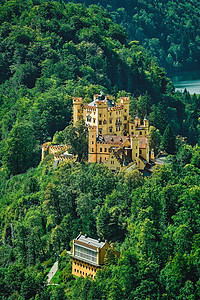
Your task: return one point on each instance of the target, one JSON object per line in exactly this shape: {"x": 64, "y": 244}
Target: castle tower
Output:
{"x": 125, "y": 101}
{"x": 135, "y": 148}
{"x": 77, "y": 109}
{"x": 92, "y": 144}
{"x": 45, "y": 150}
{"x": 137, "y": 120}
{"x": 101, "y": 111}
{"x": 146, "y": 122}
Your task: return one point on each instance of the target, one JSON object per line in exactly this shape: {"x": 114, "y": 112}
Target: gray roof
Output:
{"x": 137, "y": 116}
{"x": 109, "y": 103}
{"x": 55, "y": 163}
{"x": 89, "y": 241}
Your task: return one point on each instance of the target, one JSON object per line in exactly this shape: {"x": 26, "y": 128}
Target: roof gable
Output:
{"x": 87, "y": 241}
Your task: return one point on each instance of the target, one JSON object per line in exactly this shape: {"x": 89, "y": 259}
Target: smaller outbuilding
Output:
{"x": 88, "y": 255}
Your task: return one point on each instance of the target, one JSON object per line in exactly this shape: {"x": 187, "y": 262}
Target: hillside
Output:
{"x": 51, "y": 52}
{"x": 169, "y": 30}
{"x": 154, "y": 222}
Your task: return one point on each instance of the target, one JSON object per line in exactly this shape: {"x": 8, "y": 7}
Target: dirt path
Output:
{"x": 52, "y": 272}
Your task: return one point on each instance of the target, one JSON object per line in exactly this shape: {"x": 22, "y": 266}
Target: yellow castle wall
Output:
{"x": 92, "y": 144}
{"x": 113, "y": 120}
{"x": 113, "y": 164}
{"x": 83, "y": 269}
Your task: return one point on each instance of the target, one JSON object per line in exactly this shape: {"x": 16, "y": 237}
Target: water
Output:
{"x": 189, "y": 80}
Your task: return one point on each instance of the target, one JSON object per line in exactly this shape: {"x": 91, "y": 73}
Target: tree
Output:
{"x": 154, "y": 139}
{"x": 169, "y": 140}
{"x": 21, "y": 151}
{"x": 76, "y": 136}
{"x": 196, "y": 157}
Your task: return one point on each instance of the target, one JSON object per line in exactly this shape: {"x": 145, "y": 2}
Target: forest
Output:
{"x": 169, "y": 30}
{"x": 50, "y": 52}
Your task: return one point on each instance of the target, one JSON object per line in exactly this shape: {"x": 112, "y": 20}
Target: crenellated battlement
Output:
{"x": 48, "y": 148}
{"x": 124, "y": 99}
{"x": 77, "y": 100}
{"x": 117, "y": 107}
{"x": 109, "y": 143}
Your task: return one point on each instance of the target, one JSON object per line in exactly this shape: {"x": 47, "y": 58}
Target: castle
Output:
{"x": 114, "y": 139}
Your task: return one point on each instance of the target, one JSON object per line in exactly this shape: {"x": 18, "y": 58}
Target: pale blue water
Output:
{"x": 189, "y": 80}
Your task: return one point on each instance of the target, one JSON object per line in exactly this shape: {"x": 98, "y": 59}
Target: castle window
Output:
{"x": 79, "y": 111}
{"x": 92, "y": 149}
{"x": 105, "y": 150}
{"x": 136, "y": 147}
{"x": 125, "y": 110}
{"x": 110, "y": 114}
{"x": 140, "y": 151}
{"x": 131, "y": 132}
{"x": 136, "y": 154}
{"x": 92, "y": 136}
{"x": 140, "y": 132}
{"x": 100, "y": 130}
{"x": 80, "y": 272}
{"x": 125, "y": 118}
{"x": 83, "y": 273}
{"x": 100, "y": 122}
{"x": 119, "y": 128}
{"x": 75, "y": 270}
{"x": 124, "y": 126}
{"x": 100, "y": 149}
{"x": 89, "y": 119}
{"x": 92, "y": 142}
{"x": 104, "y": 122}
{"x": 79, "y": 118}
{"x": 116, "y": 128}
{"x": 88, "y": 254}
{"x": 131, "y": 127}
{"x": 110, "y": 121}
{"x": 110, "y": 129}
{"x": 94, "y": 120}
{"x": 100, "y": 115}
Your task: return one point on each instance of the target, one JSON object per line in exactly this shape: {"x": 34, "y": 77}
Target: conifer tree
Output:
{"x": 169, "y": 140}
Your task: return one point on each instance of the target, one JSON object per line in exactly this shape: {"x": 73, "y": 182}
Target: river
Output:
{"x": 189, "y": 80}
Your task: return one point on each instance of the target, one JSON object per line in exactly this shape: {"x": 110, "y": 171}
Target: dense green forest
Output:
{"x": 154, "y": 222}
{"x": 170, "y": 30}
{"x": 50, "y": 52}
